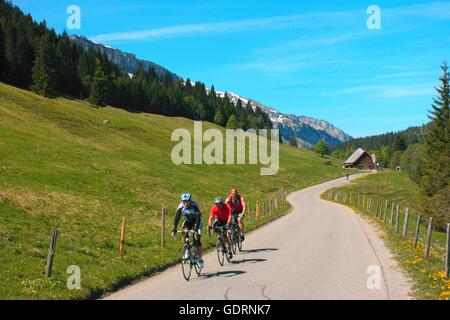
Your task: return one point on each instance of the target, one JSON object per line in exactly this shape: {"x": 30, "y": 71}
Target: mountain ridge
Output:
{"x": 126, "y": 61}
{"x": 308, "y": 130}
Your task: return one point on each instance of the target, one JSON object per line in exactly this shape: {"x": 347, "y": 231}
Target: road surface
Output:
{"x": 320, "y": 250}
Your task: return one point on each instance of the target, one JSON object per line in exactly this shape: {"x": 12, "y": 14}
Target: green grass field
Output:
{"x": 62, "y": 166}
{"x": 428, "y": 274}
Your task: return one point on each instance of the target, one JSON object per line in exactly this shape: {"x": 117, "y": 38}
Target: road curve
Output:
{"x": 320, "y": 250}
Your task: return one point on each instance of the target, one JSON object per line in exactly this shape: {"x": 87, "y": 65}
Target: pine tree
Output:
{"x": 293, "y": 140}
{"x": 2, "y": 55}
{"x": 399, "y": 143}
{"x": 44, "y": 69}
{"x": 67, "y": 73}
{"x": 321, "y": 147}
{"x": 99, "y": 87}
{"x": 436, "y": 170}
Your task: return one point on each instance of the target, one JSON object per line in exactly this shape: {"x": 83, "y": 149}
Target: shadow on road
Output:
{"x": 259, "y": 250}
{"x": 248, "y": 261}
{"x": 225, "y": 274}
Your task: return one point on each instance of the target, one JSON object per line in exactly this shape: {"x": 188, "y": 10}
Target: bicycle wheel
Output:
{"x": 227, "y": 255}
{"x": 197, "y": 268}
{"x": 220, "y": 252}
{"x": 186, "y": 265}
{"x": 234, "y": 246}
{"x": 240, "y": 244}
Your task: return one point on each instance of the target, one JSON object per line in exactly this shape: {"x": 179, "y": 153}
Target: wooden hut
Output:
{"x": 360, "y": 159}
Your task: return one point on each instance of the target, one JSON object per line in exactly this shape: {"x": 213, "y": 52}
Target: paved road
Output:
{"x": 320, "y": 250}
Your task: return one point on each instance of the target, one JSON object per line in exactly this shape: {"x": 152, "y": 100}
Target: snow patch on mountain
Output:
{"x": 308, "y": 130}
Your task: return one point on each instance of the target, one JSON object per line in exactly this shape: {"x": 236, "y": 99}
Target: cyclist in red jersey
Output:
{"x": 220, "y": 216}
{"x": 237, "y": 204}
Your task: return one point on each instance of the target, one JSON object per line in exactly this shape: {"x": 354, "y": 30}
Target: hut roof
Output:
{"x": 355, "y": 156}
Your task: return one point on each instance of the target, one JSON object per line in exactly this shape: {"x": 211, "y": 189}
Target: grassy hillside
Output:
{"x": 62, "y": 166}
{"x": 428, "y": 274}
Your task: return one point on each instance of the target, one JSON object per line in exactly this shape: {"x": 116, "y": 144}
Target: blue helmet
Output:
{"x": 218, "y": 200}
{"x": 186, "y": 196}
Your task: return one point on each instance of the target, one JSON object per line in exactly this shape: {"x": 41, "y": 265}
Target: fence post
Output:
{"x": 392, "y": 214}
{"x": 416, "y": 233}
{"x": 447, "y": 252}
{"x": 364, "y": 198}
{"x": 122, "y": 238}
{"x": 405, "y": 225}
{"x": 257, "y": 209}
{"x": 429, "y": 233}
{"x": 350, "y": 198}
{"x": 51, "y": 253}
{"x": 385, "y": 211}
{"x": 397, "y": 218}
{"x": 163, "y": 225}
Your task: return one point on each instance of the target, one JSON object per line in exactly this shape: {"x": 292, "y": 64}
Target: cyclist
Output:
{"x": 192, "y": 221}
{"x": 237, "y": 204}
{"x": 220, "y": 216}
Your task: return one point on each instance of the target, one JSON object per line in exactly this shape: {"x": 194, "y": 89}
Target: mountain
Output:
{"x": 126, "y": 61}
{"x": 308, "y": 130}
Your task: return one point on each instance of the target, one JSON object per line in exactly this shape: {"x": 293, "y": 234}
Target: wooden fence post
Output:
{"x": 429, "y": 233}
{"x": 416, "y": 233}
{"x": 51, "y": 254}
{"x": 257, "y": 209}
{"x": 122, "y": 238}
{"x": 397, "y": 219}
{"x": 405, "y": 224}
{"x": 447, "y": 253}
{"x": 392, "y": 214}
{"x": 350, "y": 198}
{"x": 363, "y": 199}
{"x": 163, "y": 225}
{"x": 385, "y": 211}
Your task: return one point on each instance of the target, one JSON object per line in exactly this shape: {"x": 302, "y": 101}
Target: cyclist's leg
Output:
{"x": 229, "y": 241}
{"x": 198, "y": 244}
{"x": 184, "y": 234}
{"x": 241, "y": 223}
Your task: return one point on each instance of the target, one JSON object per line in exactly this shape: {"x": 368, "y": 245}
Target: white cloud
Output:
{"x": 435, "y": 10}
{"x": 390, "y": 91}
{"x": 286, "y": 64}
{"x": 259, "y": 24}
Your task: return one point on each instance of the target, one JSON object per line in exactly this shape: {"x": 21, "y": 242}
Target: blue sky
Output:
{"x": 314, "y": 58}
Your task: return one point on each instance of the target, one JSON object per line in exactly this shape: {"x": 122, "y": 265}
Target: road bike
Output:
{"x": 189, "y": 257}
{"x": 221, "y": 245}
{"x": 235, "y": 234}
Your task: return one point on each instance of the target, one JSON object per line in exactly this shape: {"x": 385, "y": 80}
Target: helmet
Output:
{"x": 218, "y": 200}
{"x": 186, "y": 196}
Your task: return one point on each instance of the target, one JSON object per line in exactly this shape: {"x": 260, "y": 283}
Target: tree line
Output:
{"x": 34, "y": 57}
